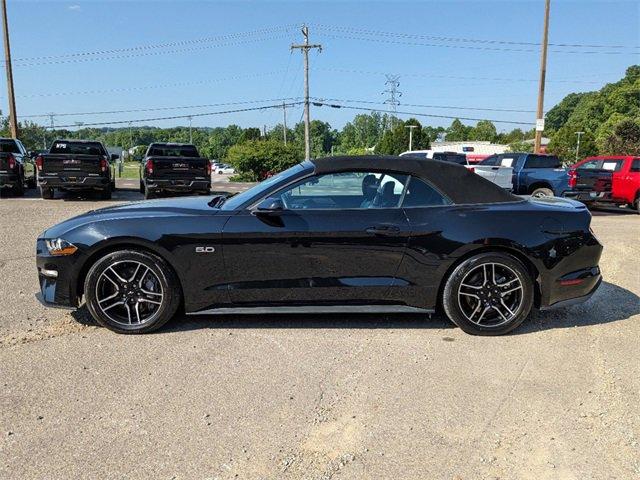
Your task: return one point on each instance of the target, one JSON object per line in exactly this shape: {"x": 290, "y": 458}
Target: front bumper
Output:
{"x": 178, "y": 185}
{"x": 72, "y": 181}
{"x": 59, "y": 289}
{"x": 9, "y": 180}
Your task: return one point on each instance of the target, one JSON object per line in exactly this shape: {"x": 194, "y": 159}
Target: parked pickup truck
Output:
{"x": 498, "y": 174}
{"x": 535, "y": 175}
{"x": 16, "y": 167}
{"x": 612, "y": 179}
{"x": 76, "y": 165}
{"x": 174, "y": 167}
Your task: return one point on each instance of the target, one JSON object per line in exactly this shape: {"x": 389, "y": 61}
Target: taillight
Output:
{"x": 573, "y": 178}
{"x": 149, "y": 166}
{"x": 12, "y": 162}
{"x": 208, "y": 167}
{"x": 39, "y": 163}
{"x": 103, "y": 164}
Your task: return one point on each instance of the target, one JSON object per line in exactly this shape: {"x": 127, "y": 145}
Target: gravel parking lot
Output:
{"x": 357, "y": 396}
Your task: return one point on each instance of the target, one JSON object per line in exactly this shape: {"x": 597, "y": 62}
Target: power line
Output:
{"x": 147, "y": 87}
{"x": 361, "y": 31}
{"x": 221, "y": 40}
{"x": 447, "y": 107}
{"x": 457, "y": 77}
{"x": 152, "y": 109}
{"x": 174, "y": 117}
{"x": 419, "y": 114}
{"x": 469, "y": 47}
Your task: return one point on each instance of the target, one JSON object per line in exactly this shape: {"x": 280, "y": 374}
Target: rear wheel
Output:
{"x": 132, "y": 292}
{"x": 46, "y": 193}
{"x": 106, "y": 193}
{"x": 488, "y": 294}
{"x": 141, "y": 186}
{"x": 149, "y": 194}
{"x": 18, "y": 188}
{"x": 542, "y": 192}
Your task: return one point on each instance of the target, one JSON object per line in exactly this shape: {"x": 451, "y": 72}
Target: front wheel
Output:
{"x": 129, "y": 291}
{"x": 488, "y": 294}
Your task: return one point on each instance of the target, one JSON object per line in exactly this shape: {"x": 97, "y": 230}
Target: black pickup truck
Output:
{"x": 174, "y": 167}
{"x": 76, "y": 165}
{"x": 16, "y": 167}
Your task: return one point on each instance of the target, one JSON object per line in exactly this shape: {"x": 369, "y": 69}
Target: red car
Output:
{"x": 611, "y": 179}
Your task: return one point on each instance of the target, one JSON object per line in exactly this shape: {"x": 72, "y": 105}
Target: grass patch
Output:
{"x": 130, "y": 170}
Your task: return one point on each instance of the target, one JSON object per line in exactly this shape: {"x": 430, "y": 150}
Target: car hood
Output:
{"x": 169, "y": 207}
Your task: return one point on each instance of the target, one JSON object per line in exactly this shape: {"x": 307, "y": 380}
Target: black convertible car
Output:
{"x": 333, "y": 234}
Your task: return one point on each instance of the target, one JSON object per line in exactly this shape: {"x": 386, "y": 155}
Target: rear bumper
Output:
{"x": 80, "y": 181}
{"x": 588, "y": 196}
{"x": 8, "y": 180}
{"x": 575, "y": 300}
{"x": 178, "y": 185}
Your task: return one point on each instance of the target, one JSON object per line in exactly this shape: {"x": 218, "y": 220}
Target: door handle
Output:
{"x": 383, "y": 230}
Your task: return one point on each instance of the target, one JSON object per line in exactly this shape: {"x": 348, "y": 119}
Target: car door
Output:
{"x": 623, "y": 186}
{"x": 337, "y": 239}
{"x": 431, "y": 221}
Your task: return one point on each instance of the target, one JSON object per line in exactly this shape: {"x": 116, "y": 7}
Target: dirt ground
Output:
{"x": 317, "y": 397}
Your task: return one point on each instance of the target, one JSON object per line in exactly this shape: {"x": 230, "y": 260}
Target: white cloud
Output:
{"x": 74, "y": 7}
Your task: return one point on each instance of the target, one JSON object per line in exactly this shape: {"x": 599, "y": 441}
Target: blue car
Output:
{"x": 536, "y": 175}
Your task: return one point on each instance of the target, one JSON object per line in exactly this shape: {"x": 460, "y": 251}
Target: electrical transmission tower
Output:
{"x": 393, "y": 94}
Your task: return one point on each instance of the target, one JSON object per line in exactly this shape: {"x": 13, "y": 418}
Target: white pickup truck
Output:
{"x": 500, "y": 175}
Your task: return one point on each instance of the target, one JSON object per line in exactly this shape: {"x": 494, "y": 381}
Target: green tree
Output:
{"x": 396, "y": 140}
{"x": 363, "y": 132}
{"x": 254, "y": 158}
{"x": 563, "y": 143}
{"x": 484, "y": 130}
{"x": 457, "y": 132}
{"x": 625, "y": 139}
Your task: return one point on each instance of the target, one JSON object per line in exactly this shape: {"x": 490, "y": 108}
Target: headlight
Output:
{"x": 59, "y": 247}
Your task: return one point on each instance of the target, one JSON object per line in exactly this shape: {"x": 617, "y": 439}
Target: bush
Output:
{"x": 254, "y": 159}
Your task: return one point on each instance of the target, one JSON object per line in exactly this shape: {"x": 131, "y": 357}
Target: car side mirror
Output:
{"x": 270, "y": 205}
{"x": 114, "y": 157}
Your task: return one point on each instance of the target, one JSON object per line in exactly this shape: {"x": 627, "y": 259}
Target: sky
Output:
{"x": 96, "y": 56}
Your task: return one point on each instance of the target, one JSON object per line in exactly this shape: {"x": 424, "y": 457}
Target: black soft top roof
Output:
{"x": 455, "y": 181}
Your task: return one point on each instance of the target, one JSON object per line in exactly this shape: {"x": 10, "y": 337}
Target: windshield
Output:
{"x": 173, "y": 151}
{"x": 255, "y": 191}
{"x": 78, "y": 148}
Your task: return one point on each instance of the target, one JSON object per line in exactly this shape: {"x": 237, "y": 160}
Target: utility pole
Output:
{"x": 304, "y": 48}
{"x": 13, "y": 119}
{"x": 284, "y": 122}
{"x": 392, "y": 83}
{"x": 411, "y": 127}
{"x": 579, "y": 134}
{"x": 130, "y": 137}
{"x": 543, "y": 74}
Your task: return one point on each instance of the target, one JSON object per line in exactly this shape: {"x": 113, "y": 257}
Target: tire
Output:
{"x": 636, "y": 205}
{"x": 481, "y": 308}
{"x": 141, "y": 186}
{"x": 46, "y": 193}
{"x": 149, "y": 194}
{"x": 31, "y": 183}
{"x": 106, "y": 193}
{"x": 127, "y": 301}
{"x": 18, "y": 188}
{"x": 542, "y": 192}
{"x": 113, "y": 185}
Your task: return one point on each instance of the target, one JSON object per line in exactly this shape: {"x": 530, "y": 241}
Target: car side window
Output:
{"x": 421, "y": 194}
{"x": 492, "y": 161}
{"x": 345, "y": 190}
{"x": 591, "y": 165}
{"x": 635, "y": 165}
